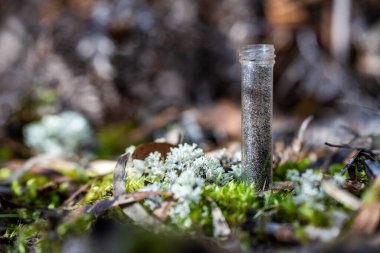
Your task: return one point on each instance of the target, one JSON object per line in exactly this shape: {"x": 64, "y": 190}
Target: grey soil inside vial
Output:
{"x": 257, "y": 123}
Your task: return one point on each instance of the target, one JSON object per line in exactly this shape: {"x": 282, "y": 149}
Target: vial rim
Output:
{"x": 257, "y": 52}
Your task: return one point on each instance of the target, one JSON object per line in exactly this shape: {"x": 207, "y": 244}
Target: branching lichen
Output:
{"x": 184, "y": 172}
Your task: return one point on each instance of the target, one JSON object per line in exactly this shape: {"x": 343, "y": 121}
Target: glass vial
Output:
{"x": 257, "y": 63}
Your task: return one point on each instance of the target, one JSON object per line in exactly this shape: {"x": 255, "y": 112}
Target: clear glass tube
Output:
{"x": 257, "y": 63}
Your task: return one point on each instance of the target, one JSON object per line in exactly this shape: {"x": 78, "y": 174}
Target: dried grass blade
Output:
{"x": 341, "y": 196}
{"x": 221, "y": 229}
{"x": 120, "y": 175}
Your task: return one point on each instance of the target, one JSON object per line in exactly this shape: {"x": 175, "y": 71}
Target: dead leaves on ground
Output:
{"x": 142, "y": 151}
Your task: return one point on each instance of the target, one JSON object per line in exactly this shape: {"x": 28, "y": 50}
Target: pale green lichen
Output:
{"x": 61, "y": 134}
{"x": 184, "y": 173}
{"x": 308, "y": 189}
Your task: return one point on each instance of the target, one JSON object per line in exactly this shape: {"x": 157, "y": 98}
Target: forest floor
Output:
{"x": 165, "y": 197}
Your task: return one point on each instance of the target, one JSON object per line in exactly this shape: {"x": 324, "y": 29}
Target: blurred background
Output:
{"x": 94, "y": 76}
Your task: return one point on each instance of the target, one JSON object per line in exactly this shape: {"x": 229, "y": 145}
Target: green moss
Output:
{"x": 5, "y": 153}
{"x": 279, "y": 173}
{"x": 113, "y": 139}
{"x": 5, "y": 173}
{"x": 100, "y": 189}
{"x": 16, "y": 187}
{"x": 282, "y": 205}
{"x": 300, "y": 233}
{"x": 77, "y": 173}
{"x": 234, "y": 199}
{"x": 38, "y": 191}
{"x": 314, "y": 217}
{"x": 28, "y": 234}
{"x": 201, "y": 218}
{"x": 288, "y": 208}
{"x": 336, "y": 168}
{"x": 77, "y": 226}
{"x": 133, "y": 183}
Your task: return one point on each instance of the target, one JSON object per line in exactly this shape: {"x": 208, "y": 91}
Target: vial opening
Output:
{"x": 257, "y": 52}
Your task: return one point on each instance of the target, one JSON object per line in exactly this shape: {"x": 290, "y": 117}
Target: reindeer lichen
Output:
{"x": 184, "y": 172}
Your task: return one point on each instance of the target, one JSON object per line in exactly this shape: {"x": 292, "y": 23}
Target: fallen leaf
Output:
{"x": 224, "y": 117}
{"x": 103, "y": 205}
{"x": 139, "y": 215}
{"x": 327, "y": 234}
{"x": 142, "y": 151}
{"x": 41, "y": 160}
{"x": 77, "y": 212}
{"x": 282, "y": 185}
{"x": 101, "y": 167}
{"x": 221, "y": 229}
{"x": 367, "y": 220}
{"x": 342, "y": 196}
{"x": 120, "y": 175}
{"x": 163, "y": 211}
{"x": 79, "y": 191}
{"x": 282, "y": 232}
